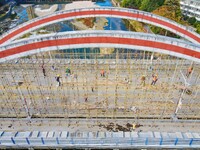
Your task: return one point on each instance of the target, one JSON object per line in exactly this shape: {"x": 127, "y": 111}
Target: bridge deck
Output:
{"x": 113, "y": 96}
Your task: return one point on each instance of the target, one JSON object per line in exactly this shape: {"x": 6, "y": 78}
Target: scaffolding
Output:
{"x": 29, "y": 89}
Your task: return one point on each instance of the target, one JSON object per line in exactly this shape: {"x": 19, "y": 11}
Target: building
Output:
{"x": 191, "y": 8}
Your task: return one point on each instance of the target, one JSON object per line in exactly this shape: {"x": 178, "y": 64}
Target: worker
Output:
{"x": 16, "y": 62}
{"x": 86, "y": 98}
{"x": 92, "y": 88}
{"x": 154, "y": 80}
{"x": 102, "y": 73}
{"x": 189, "y": 71}
{"x": 143, "y": 80}
{"x": 58, "y": 80}
{"x": 68, "y": 71}
{"x": 43, "y": 70}
{"x": 53, "y": 68}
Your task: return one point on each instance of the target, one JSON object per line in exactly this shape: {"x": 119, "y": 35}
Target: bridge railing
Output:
{"x": 93, "y": 33}
{"x": 100, "y": 139}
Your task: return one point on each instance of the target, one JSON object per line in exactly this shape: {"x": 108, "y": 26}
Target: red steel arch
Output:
{"x": 81, "y": 39}
{"x": 99, "y": 12}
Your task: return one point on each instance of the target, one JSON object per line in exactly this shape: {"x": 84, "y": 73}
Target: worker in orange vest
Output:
{"x": 102, "y": 73}
{"x": 143, "y": 80}
{"x": 189, "y": 71}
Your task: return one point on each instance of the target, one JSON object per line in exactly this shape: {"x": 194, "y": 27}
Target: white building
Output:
{"x": 191, "y": 8}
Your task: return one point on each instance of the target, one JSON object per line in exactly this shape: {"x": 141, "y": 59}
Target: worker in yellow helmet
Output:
{"x": 155, "y": 79}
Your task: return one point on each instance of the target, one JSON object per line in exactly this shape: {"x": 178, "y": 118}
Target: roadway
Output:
{"x": 114, "y": 100}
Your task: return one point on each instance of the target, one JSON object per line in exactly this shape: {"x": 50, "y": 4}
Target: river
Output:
{"x": 113, "y": 23}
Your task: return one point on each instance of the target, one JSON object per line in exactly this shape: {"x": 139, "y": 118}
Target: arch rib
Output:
{"x": 101, "y": 12}
{"x": 81, "y": 39}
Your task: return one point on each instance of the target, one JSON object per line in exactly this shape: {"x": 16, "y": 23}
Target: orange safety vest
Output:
{"x": 190, "y": 70}
{"x": 155, "y": 78}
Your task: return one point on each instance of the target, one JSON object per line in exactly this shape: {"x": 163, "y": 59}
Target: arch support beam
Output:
{"x": 118, "y": 39}
{"x": 131, "y": 14}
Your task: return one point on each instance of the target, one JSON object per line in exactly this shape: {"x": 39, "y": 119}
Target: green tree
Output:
{"x": 192, "y": 20}
{"x": 130, "y": 3}
{"x": 197, "y": 26}
{"x": 146, "y": 5}
{"x": 124, "y": 3}
{"x": 138, "y": 3}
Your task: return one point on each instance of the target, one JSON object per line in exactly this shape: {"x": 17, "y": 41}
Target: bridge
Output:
{"x": 114, "y": 109}
{"x": 131, "y": 14}
{"x": 81, "y": 39}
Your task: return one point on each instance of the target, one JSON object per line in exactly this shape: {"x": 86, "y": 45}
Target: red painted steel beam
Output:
{"x": 85, "y": 13}
{"x": 99, "y": 40}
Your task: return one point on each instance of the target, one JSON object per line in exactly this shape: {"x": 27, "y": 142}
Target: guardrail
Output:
{"x": 99, "y": 139}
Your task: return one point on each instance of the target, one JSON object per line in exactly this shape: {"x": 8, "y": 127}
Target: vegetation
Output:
{"x": 193, "y": 22}
{"x": 170, "y": 9}
{"x": 3, "y": 10}
{"x": 138, "y": 26}
{"x": 25, "y": 36}
{"x": 166, "y": 8}
{"x": 89, "y": 22}
{"x": 198, "y": 27}
{"x": 1, "y": 15}
{"x": 13, "y": 16}
{"x": 146, "y": 5}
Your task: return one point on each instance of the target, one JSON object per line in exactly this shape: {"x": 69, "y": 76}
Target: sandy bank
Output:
{"x": 81, "y": 4}
{"x": 43, "y": 12}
